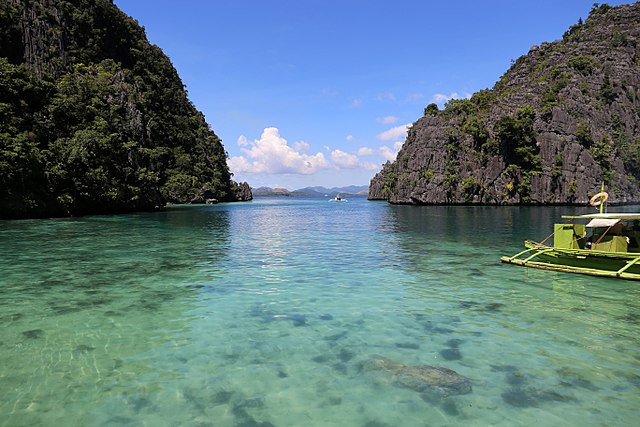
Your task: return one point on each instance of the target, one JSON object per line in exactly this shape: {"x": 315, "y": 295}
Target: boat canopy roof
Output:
{"x": 618, "y": 216}
{"x": 602, "y": 222}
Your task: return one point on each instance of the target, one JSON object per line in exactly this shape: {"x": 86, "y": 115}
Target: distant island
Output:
{"x": 563, "y": 119}
{"x": 318, "y": 191}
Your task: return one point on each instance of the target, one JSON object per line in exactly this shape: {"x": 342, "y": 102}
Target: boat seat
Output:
{"x": 611, "y": 244}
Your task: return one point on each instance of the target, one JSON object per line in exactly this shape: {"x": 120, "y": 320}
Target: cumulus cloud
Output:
{"x": 398, "y": 132}
{"x": 301, "y": 146}
{"x": 272, "y": 154}
{"x": 389, "y": 153}
{"x": 397, "y": 135}
{"x": 387, "y": 120}
{"x": 441, "y": 97}
{"x": 342, "y": 160}
{"x": 242, "y": 141}
{"x": 349, "y": 138}
{"x": 365, "y": 151}
{"x": 369, "y": 166}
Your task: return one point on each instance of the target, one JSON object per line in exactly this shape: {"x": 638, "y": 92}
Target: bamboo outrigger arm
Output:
{"x": 629, "y": 264}
{"x": 620, "y": 274}
{"x": 509, "y": 259}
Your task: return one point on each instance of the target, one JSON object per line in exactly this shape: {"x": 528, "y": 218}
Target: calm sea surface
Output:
{"x": 300, "y": 312}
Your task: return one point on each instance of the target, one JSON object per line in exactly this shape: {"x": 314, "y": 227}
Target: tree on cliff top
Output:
{"x": 93, "y": 118}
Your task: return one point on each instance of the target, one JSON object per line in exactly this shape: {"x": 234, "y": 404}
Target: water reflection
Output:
{"x": 266, "y": 313}
{"x": 479, "y": 225}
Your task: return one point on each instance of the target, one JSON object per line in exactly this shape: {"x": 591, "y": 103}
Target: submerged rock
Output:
{"x": 451, "y": 353}
{"x": 422, "y": 378}
{"x": 34, "y": 334}
{"x": 454, "y": 342}
{"x": 297, "y": 319}
{"x": 526, "y": 397}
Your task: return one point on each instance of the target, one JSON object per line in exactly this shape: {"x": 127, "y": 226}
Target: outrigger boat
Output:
{"x": 608, "y": 245}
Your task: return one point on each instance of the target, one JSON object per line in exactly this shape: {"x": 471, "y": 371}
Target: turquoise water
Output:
{"x": 274, "y": 313}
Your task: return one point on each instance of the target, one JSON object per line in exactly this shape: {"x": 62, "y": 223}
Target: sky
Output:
{"x": 321, "y": 92}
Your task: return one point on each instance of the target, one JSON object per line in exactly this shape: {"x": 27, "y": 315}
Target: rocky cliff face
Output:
{"x": 242, "y": 192}
{"x": 95, "y": 119}
{"x": 562, "y": 119}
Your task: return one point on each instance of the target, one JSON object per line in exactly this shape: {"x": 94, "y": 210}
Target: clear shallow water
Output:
{"x": 269, "y": 314}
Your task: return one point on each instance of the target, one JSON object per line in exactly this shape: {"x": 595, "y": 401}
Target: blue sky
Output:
{"x": 319, "y": 92}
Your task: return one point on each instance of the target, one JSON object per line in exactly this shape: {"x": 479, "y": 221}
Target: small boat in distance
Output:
{"x": 338, "y": 199}
{"x": 608, "y": 245}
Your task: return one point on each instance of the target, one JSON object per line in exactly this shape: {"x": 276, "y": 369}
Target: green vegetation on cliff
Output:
{"x": 561, "y": 120}
{"x": 95, "y": 119}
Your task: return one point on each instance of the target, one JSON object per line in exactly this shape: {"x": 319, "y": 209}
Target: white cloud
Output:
{"x": 441, "y": 97}
{"x": 242, "y": 141}
{"x": 390, "y": 153}
{"x": 369, "y": 166}
{"x": 342, "y": 160}
{"x": 356, "y": 103}
{"x": 301, "y": 146}
{"x": 387, "y": 153}
{"x": 398, "y": 132}
{"x": 388, "y": 120}
{"x": 272, "y": 154}
{"x": 365, "y": 151}
{"x": 349, "y": 138}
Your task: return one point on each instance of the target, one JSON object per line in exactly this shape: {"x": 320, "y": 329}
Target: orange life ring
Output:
{"x": 603, "y": 196}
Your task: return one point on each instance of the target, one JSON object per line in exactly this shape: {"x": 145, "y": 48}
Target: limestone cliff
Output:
{"x": 562, "y": 119}
{"x": 95, "y": 119}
